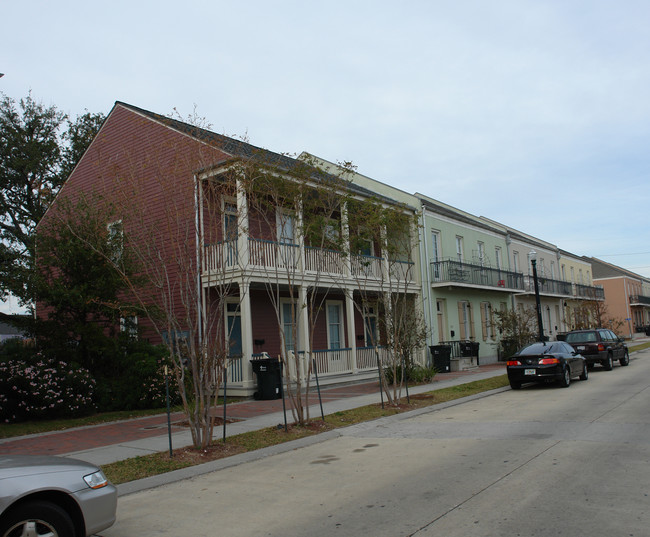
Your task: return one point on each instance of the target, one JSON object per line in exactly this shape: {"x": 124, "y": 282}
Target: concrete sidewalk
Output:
{"x": 106, "y": 443}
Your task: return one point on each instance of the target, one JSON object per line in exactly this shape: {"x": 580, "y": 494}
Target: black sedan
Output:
{"x": 554, "y": 360}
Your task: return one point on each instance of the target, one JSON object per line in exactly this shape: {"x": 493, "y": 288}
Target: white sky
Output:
{"x": 534, "y": 113}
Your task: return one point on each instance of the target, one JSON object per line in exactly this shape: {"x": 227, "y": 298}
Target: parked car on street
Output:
{"x": 53, "y": 497}
{"x": 599, "y": 346}
{"x": 546, "y": 361}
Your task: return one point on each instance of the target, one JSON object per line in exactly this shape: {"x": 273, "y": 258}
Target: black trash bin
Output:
{"x": 441, "y": 357}
{"x": 269, "y": 378}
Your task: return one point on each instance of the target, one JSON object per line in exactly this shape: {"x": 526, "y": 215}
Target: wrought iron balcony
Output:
{"x": 591, "y": 292}
{"x": 639, "y": 300}
{"x": 453, "y": 271}
{"x": 549, "y": 286}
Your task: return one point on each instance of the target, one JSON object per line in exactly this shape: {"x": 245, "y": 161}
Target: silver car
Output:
{"x": 53, "y": 497}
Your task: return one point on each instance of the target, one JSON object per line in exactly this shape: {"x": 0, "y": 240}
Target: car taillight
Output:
{"x": 514, "y": 362}
{"x": 601, "y": 347}
{"x": 548, "y": 361}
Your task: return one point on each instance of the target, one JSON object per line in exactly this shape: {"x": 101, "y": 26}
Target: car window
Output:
{"x": 567, "y": 348}
{"x": 535, "y": 348}
{"x": 604, "y": 335}
{"x": 613, "y": 335}
{"x": 581, "y": 336}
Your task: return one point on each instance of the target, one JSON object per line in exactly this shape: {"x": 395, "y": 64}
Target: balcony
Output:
{"x": 547, "y": 286}
{"x": 639, "y": 300}
{"x": 271, "y": 257}
{"x": 467, "y": 274}
{"x": 589, "y": 292}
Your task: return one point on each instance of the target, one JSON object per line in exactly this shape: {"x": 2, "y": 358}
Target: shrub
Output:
{"x": 414, "y": 374}
{"x": 135, "y": 379}
{"x": 43, "y": 388}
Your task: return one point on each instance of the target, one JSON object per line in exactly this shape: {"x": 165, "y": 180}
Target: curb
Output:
{"x": 190, "y": 472}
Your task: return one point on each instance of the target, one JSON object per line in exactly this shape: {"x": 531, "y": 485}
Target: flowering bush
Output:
{"x": 43, "y": 388}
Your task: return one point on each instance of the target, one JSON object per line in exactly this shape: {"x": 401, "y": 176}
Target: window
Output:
{"x": 563, "y": 272}
{"x": 370, "y": 326}
{"x": 229, "y": 219}
{"x": 129, "y": 326}
{"x": 335, "y": 325}
{"x": 459, "y": 248}
{"x": 486, "y": 321}
{"x": 289, "y": 325}
{"x": 580, "y": 280}
{"x": 233, "y": 329}
{"x": 465, "y": 320}
{"x": 230, "y": 231}
{"x": 481, "y": 253}
{"x": 573, "y": 275}
{"x": 497, "y": 257}
{"x": 115, "y": 240}
{"x": 553, "y": 270}
{"x": 515, "y": 261}
{"x": 440, "y": 311}
{"x": 435, "y": 254}
{"x": 285, "y": 227}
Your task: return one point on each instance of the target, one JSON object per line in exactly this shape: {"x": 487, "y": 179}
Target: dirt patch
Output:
{"x": 212, "y": 453}
{"x": 423, "y": 396}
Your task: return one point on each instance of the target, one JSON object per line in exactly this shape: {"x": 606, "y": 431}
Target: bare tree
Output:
{"x": 295, "y": 230}
{"x": 517, "y": 328}
{"x": 384, "y": 284}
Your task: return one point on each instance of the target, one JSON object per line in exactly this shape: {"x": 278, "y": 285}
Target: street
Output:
{"x": 540, "y": 461}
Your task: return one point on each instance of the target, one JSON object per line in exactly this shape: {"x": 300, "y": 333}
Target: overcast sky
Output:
{"x": 532, "y": 113}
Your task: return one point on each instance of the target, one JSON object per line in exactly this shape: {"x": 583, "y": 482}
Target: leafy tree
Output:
{"x": 79, "y": 281}
{"x": 39, "y": 147}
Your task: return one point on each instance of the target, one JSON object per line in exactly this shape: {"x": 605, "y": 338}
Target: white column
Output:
{"x": 246, "y": 331}
{"x": 352, "y": 338}
{"x": 242, "y": 225}
{"x": 303, "y": 327}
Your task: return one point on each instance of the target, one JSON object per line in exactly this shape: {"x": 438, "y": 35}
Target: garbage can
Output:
{"x": 269, "y": 378}
{"x": 441, "y": 357}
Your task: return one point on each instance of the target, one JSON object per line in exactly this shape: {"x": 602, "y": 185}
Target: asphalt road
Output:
{"x": 542, "y": 461}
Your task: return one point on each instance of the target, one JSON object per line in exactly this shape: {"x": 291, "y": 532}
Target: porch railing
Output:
{"x": 640, "y": 299}
{"x": 594, "y": 292}
{"x": 547, "y": 285}
{"x": 452, "y": 270}
{"x": 224, "y": 256}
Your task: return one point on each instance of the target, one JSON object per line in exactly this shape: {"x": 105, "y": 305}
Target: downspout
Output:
{"x": 199, "y": 301}
{"x": 426, "y": 278}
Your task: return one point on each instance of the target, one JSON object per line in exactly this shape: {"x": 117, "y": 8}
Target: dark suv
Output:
{"x": 600, "y": 346}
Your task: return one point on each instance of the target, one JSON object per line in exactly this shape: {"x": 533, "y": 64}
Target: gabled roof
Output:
{"x": 602, "y": 269}
{"x": 238, "y": 149}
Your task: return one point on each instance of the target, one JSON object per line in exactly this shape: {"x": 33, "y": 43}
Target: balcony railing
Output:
{"x": 593, "y": 292}
{"x": 548, "y": 286}
{"x": 639, "y": 300}
{"x": 271, "y": 255}
{"x": 468, "y": 273}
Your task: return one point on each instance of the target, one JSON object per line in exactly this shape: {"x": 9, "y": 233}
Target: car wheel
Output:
{"x": 609, "y": 363}
{"x": 625, "y": 360}
{"x": 565, "y": 380}
{"x": 585, "y": 373}
{"x": 37, "y": 519}
{"x": 515, "y": 385}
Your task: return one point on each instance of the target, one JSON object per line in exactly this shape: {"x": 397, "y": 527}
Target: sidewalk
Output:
{"x": 110, "y": 442}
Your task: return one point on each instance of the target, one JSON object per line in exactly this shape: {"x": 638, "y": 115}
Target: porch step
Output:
{"x": 465, "y": 363}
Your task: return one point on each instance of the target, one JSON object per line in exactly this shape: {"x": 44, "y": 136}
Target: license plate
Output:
{"x": 580, "y": 348}
{"x": 530, "y": 371}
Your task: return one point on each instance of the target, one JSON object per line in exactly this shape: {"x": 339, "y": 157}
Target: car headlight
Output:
{"x": 96, "y": 480}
